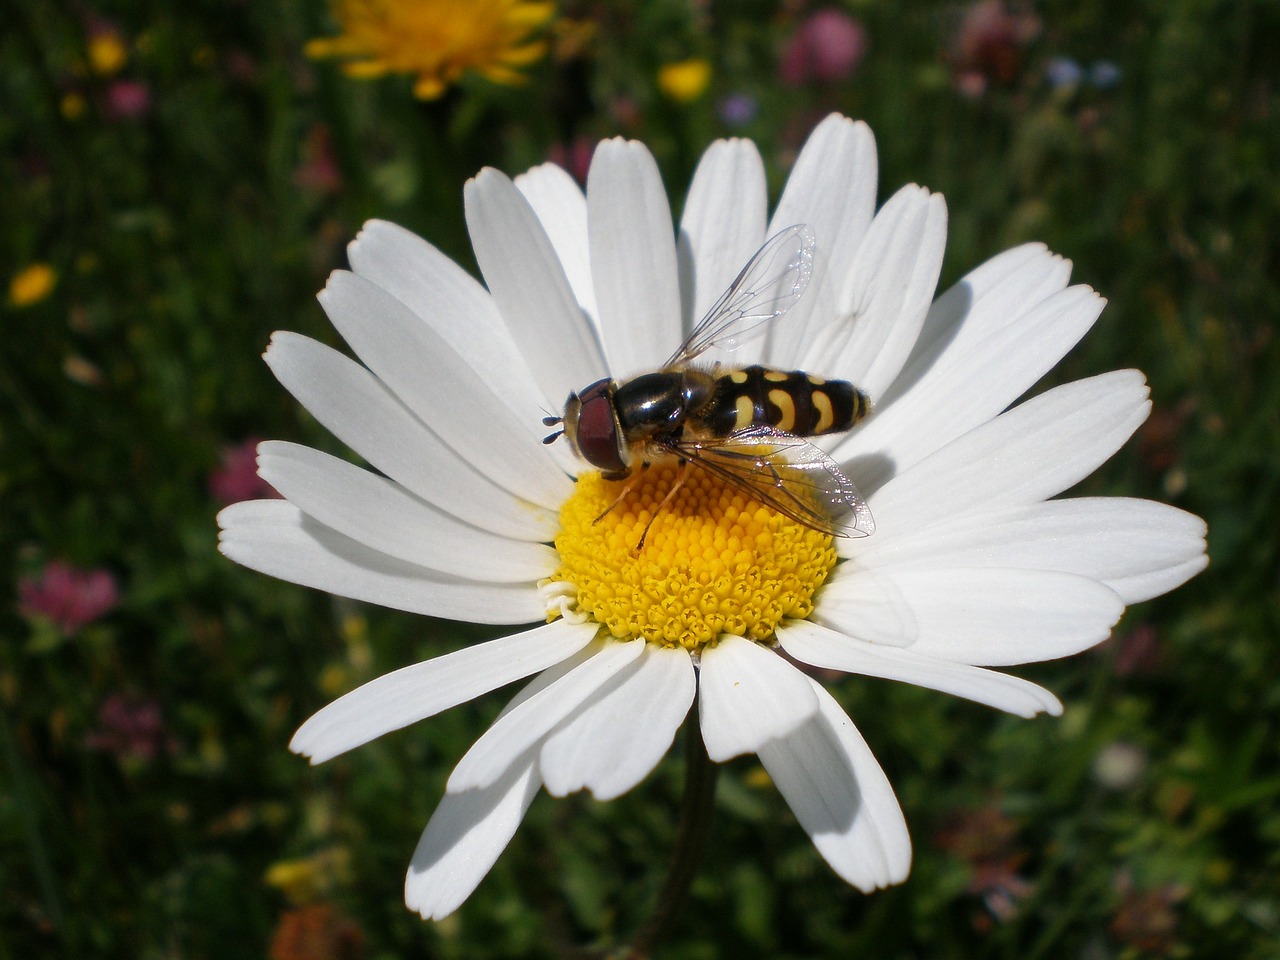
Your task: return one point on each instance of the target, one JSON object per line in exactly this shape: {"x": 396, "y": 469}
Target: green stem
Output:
{"x": 692, "y": 833}
{"x": 26, "y": 804}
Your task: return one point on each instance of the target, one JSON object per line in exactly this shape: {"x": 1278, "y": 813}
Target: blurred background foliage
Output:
{"x": 176, "y": 182}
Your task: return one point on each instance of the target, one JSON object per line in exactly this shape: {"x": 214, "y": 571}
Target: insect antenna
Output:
{"x": 550, "y": 420}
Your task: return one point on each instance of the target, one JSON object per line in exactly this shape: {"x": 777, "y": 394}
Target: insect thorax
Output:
{"x": 660, "y": 402}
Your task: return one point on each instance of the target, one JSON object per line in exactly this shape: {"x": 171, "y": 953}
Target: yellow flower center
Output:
{"x": 714, "y": 561}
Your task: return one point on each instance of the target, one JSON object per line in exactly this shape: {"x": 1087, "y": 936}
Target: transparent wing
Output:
{"x": 768, "y": 286}
{"x": 788, "y": 473}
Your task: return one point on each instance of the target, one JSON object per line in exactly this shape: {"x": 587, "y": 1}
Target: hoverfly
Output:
{"x": 744, "y": 425}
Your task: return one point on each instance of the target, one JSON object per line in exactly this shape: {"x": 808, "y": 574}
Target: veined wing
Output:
{"x": 768, "y": 286}
{"x": 788, "y": 473}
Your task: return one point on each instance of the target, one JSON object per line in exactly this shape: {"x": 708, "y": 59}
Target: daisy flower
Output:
{"x": 467, "y": 515}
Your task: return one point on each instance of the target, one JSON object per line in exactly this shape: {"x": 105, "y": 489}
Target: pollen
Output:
{"x": 713, "y": 561}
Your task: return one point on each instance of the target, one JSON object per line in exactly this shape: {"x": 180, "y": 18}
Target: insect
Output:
{"x": 744, "y": 425}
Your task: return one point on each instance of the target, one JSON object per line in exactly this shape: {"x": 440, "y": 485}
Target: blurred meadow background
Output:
{"x": 178, "y": 180}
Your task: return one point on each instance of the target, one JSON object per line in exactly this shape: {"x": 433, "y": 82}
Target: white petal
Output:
{"x": 527, "y": 722}
{"x": 529, "y": 285}
{"x": 991, "y": 296}
{"x": 722, "y": 225}
{"x": 384, "y": 516}
{"x": 561, "y": 208}
{"x": 434, "y": 382}
{"x": 464, "y": 838}
{"x": 819, "y": 646}
{"x": 748, "y": 695}
{"x": 833, "y": 784}
{"x": 966, "y": 390}
{"x": 633, "y": 257}
{"x": 276, "y": 538}
{"x": 619, "y": 735}
{"x": 1029, "y": 453}
{"x": 422, "y": 690}
{"x": 360, "y": 411}
{"x": 884, "y": 298}
{"x": 451, "y": 302}
{"x": 832, "y": 188}
{"x": 1138, "y": 548}
{"x": 992, "y": 617}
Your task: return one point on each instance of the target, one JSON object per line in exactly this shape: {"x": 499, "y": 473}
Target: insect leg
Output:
{"x": 626, "y": 488}
{"x": 682, "y": 469}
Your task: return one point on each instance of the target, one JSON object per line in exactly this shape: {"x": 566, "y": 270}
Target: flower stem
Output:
{"x": 692, "y": 833}
{"x": 28, "y": 810}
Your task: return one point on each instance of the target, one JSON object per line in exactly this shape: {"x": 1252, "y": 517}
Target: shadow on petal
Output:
{"x": 465, "y": 836}
{"x": 946, "y": 316}
{"x": 870, "y": 471}
{"x": 815, "y": 776}
{"x": 841, "y": 797}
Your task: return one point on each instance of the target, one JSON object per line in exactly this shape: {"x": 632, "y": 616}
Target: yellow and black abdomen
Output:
{"x": 788, "y": 400}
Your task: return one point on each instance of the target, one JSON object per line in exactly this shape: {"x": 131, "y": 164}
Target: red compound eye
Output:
{"x": 598, "y": 440}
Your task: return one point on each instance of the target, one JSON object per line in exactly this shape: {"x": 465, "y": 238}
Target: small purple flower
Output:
{"x": 236, "y": 476}
{"x": 989, "y": 45}
{"x": 574, "y": 157}
{"x": 625, "y": 111}
{"x": 1063, "y": 72}
{"x": 738, "y": 109}
{"x": 132, "y": 730}
{"x": 319, "y": 171}
{"x": 128, "y": 100}
{"x": 826, "y": 47}
{"x": 67, "y": 596}
{"x": 1139, "y": 652}
{"x": 1104, "y": 74}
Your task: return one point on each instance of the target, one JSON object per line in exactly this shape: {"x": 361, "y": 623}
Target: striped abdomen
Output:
{"x": 788, "y": 400}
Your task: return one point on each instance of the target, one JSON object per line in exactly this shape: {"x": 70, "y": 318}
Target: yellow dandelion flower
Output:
{"x": 436, "y": 40}
{"x": 306, "y": 879}
{"x": 72, "y": 106}
{"x": 32, "y": 284}
{"x": 684, "y": 81}
{"x": 107, "y": 53}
